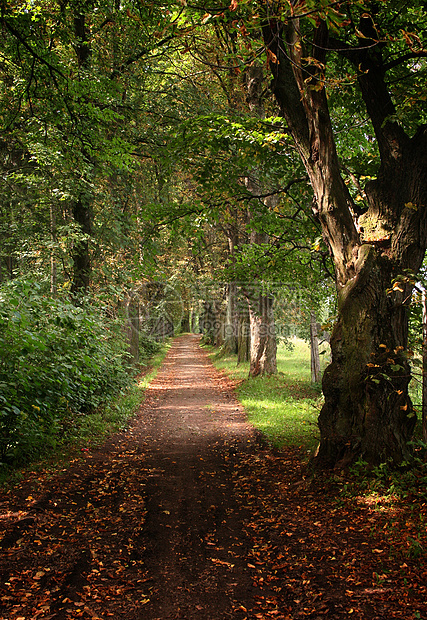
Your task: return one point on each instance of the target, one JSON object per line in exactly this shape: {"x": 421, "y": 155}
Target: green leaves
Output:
{"x": 57, "y": 361}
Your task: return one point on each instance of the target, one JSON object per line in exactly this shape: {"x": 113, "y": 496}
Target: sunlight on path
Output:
{"x": 192, "y": 425}
{"x": 188, "y": 395}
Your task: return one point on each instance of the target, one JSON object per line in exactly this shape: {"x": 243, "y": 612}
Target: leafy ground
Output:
{"x": 190, "y": 515}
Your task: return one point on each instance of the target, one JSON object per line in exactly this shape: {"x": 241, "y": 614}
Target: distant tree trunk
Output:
{"x": 133, "y": 311}
{"x": 231, "y": 313}
{"x": 10, "y": 262}
{"x": 82, "y": 205}
{"x": 314, "y": 350}
{"x": 263, "y": 345}
{"x": 211, "y": 323}
{"x": 244, "y": 335}
{"x": 231, "y": 324}
{"x": 219, "y": 324}
{"x": 82, "y": 214}
{"x": 185, "y": 321}
{"x": 53, "y": 269}
{"x": 195, "y": 321}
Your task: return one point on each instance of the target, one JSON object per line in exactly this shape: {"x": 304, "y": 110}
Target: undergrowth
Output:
{"x": 65, "y": 371}
{"x": 407, "y": 481}
{"x": 91, "y": 430}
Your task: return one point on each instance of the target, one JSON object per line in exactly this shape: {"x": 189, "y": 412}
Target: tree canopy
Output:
{"x": 154, "y": 145}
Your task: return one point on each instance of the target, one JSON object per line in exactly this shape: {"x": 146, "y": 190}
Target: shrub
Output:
{"x": 148, "y": 346}
{"x": 58, "y": 361}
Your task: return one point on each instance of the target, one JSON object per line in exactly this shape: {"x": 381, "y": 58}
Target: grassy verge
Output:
{"x": 283, "y": 407}
{"x": 92, "y": 429}
{"x": 115, "y": 415}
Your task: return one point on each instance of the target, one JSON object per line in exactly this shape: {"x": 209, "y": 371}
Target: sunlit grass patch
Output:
{"x": 286, "y": 413}
{"x": 293, "y": 359}
{"x": 284, "y": 407}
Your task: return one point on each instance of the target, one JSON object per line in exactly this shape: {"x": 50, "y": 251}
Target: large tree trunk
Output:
{"x": 367, "y": 410}
{"x": 424, "y": 375}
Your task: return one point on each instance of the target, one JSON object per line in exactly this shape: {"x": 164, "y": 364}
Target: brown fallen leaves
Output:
{"x": 81, "y": 550}
{"x": 316, "y": 554}
{"x": 73, "y": 545}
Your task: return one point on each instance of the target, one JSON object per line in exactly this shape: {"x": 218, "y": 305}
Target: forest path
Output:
{"x": 192, "y": 533}
{"x": 188, "y": 516}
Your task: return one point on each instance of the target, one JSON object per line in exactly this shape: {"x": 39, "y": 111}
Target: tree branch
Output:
{"x": 399, "y": 61}
{"x": 143, "y": 52}
{"x": 29, "y": 49}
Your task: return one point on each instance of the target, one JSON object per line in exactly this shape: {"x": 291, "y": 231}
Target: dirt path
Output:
{"x": 187, "y": 516}
{"x": 145, "y": 528}
{"x": 192, "y": 534}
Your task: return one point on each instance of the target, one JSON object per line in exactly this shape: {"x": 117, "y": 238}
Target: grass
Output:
{"x": 284, "y": 407}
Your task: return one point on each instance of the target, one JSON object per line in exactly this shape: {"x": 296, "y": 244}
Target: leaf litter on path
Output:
{"x": 166, "y": 523}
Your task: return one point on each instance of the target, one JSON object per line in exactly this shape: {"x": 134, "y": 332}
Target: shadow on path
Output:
{"x": 187, "y": 517}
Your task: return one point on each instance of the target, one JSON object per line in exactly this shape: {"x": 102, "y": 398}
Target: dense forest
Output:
{"x": 246, "y": 171}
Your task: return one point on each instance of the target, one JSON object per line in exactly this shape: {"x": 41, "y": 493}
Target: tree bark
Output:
{"x": 231, "y": 310}
{"x": 263, "y": 344}
{"x": 219, "y": 324}
{"x": 244, "y": 335}
{"x": 231, "y": 324}
{"x": 211, "y": 323}
{"x": 82, "y": 214}
{"x": 82, "y": 205}
{"x": 367, "y": 410}
{"x": 314, "y": 350}
{"x": 53, "y": 266}
{"x": 424, "y": 385}
{"x": 133, "y": 311}
{"x": 186, "y": 319}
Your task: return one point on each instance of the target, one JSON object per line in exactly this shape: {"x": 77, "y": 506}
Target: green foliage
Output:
{"x": 58, "y": 363}
{"x": 148, "y": 347}
{"x": 406, "y": 481}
